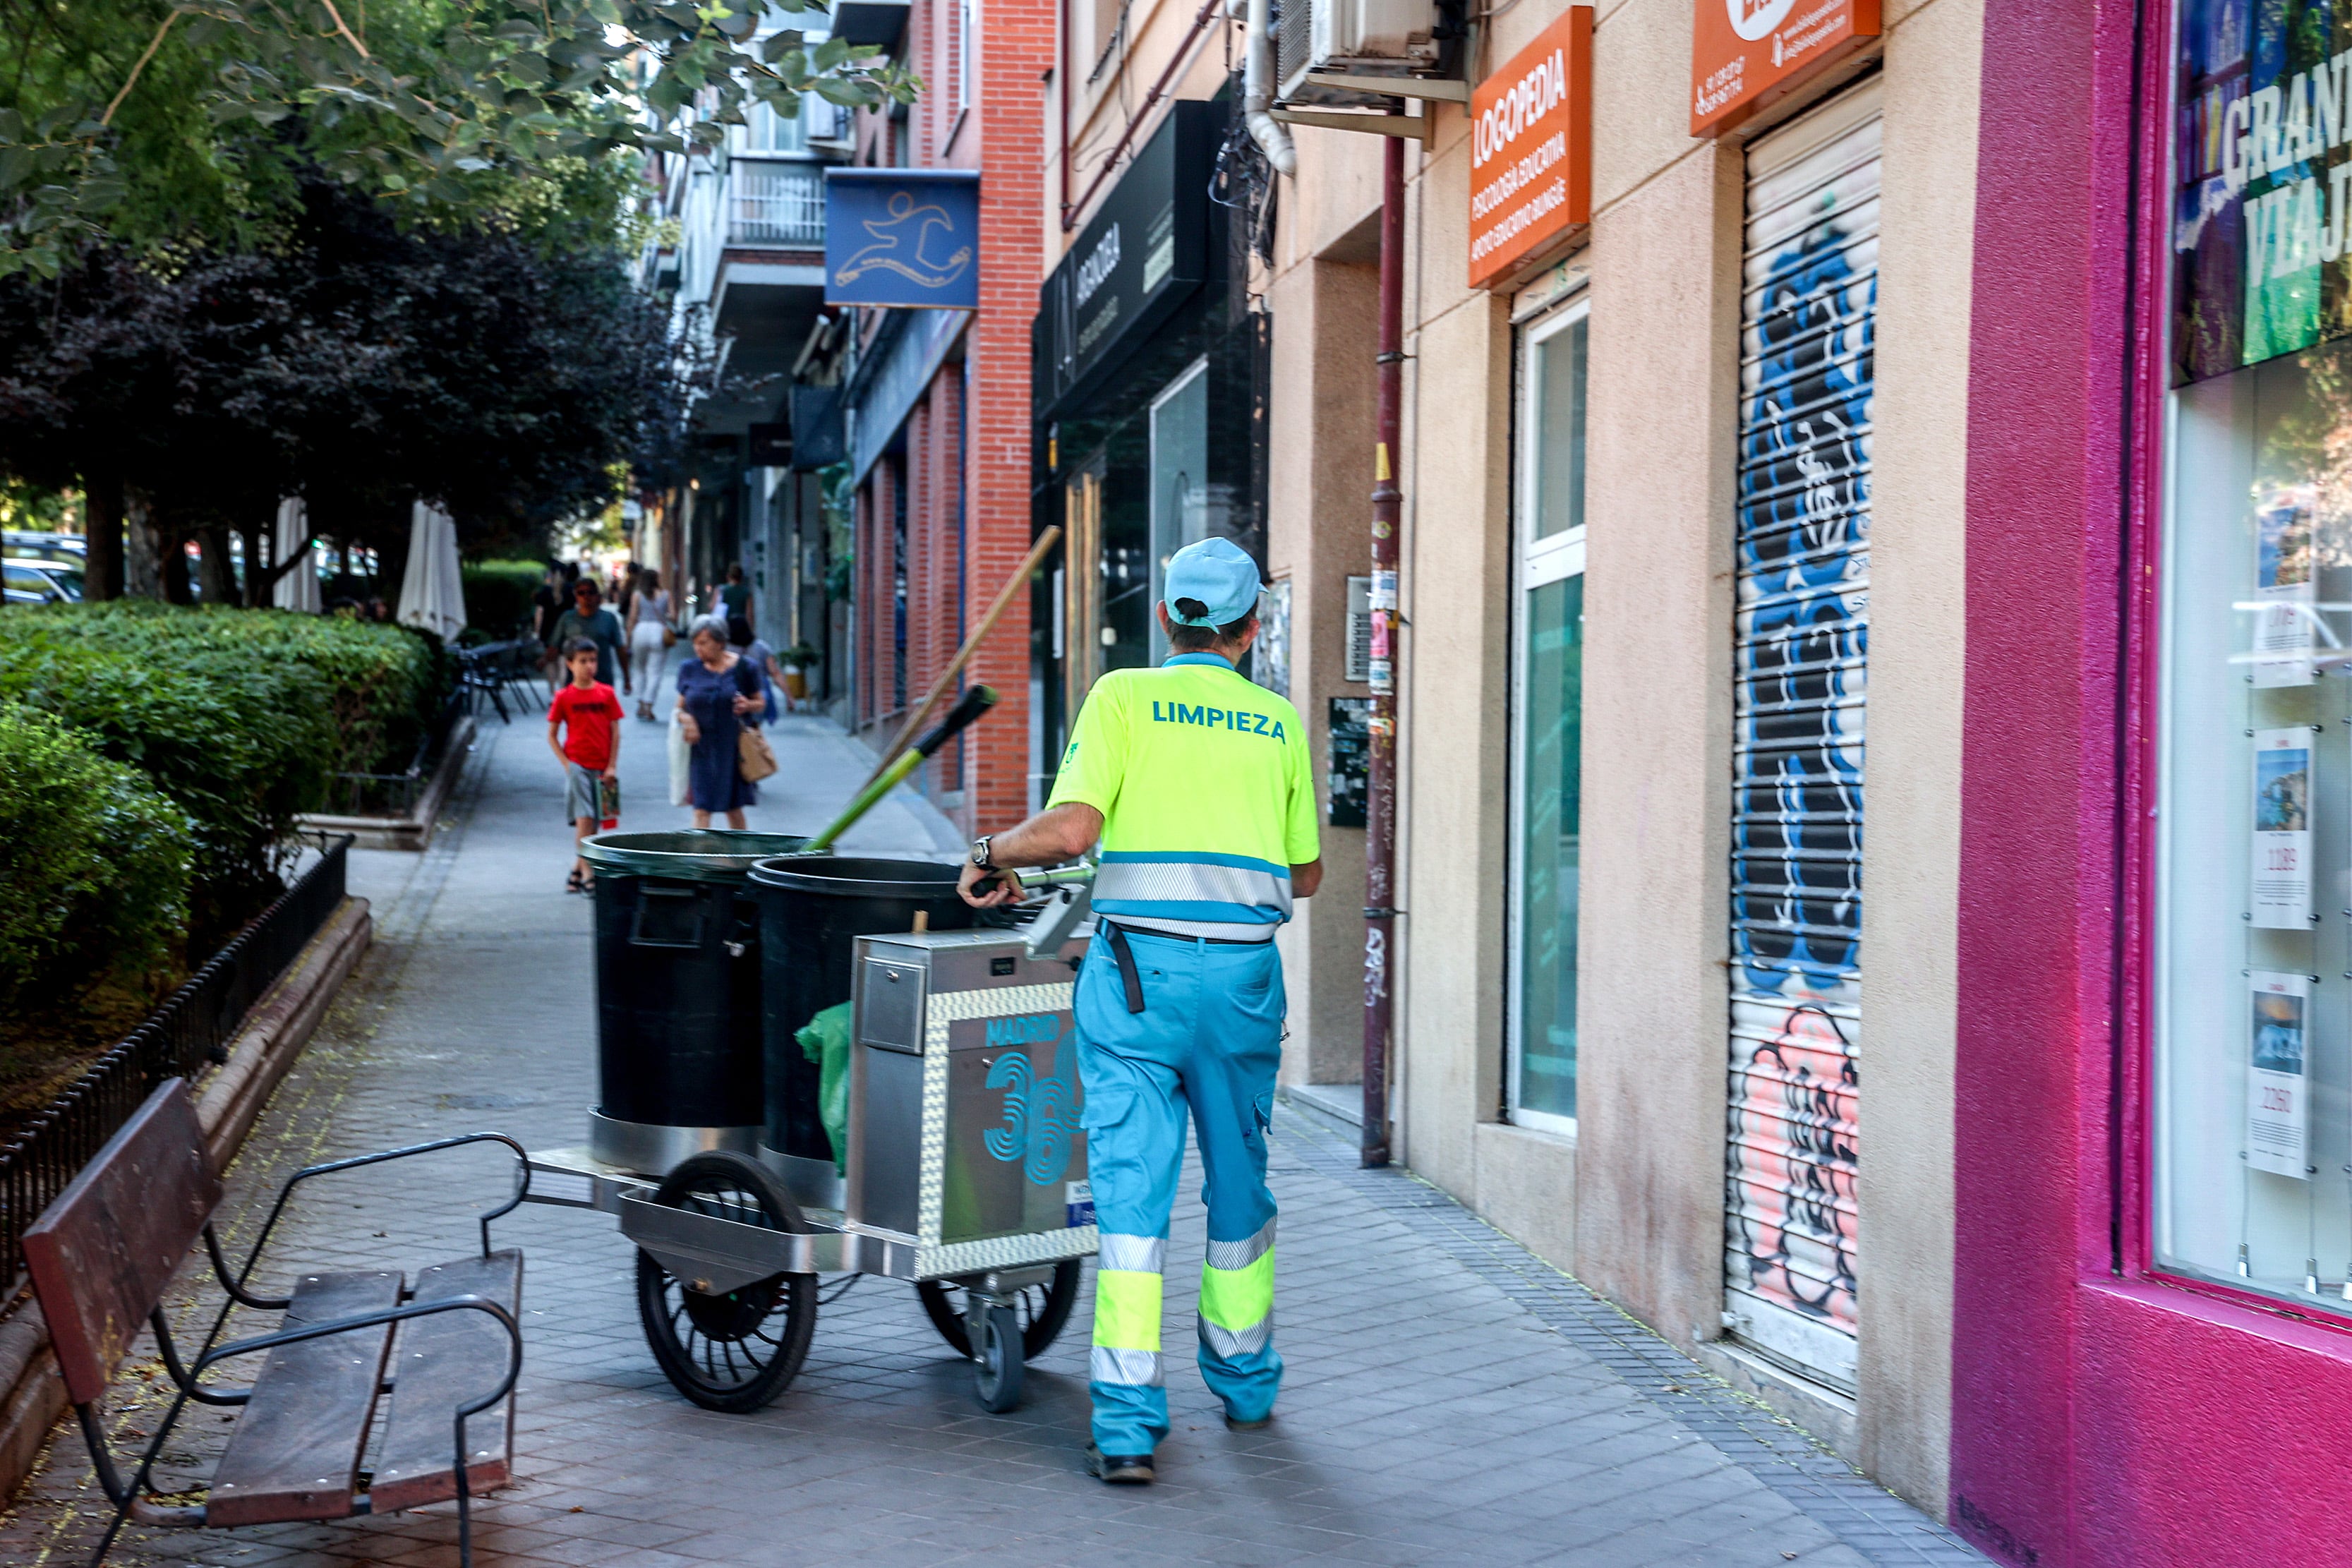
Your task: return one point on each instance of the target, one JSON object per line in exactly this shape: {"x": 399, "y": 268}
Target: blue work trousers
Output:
{"x": 1208, "y": 1041}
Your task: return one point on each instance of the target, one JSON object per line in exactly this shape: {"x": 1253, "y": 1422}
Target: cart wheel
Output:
{"x": 1043, "y": 1309}
{"x": 734, "y": 1350}
{"x": 996, "y": 1370}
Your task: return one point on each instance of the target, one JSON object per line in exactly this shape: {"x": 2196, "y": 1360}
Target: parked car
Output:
{"x": 42, "y": 582}
{"x": 64, "y": 549}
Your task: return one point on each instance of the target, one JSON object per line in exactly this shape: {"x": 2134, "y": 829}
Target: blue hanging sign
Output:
{"x": 904, "y": 238}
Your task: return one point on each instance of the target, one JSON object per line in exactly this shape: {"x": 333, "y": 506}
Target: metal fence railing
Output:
{"x": 190, "y": 1030}
{"x": 775, "y": 204}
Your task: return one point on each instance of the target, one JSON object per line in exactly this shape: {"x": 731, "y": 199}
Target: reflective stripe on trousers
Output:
{"x": 1206, "y": 1046}
{"x": 1236, "y": 1315}
{"x": 1128, "y": 1284}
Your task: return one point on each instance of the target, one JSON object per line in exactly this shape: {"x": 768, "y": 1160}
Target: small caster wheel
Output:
{"x": 996, "y": 1360}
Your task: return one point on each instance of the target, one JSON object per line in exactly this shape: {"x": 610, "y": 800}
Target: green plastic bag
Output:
{"x": 824, "y": 1040}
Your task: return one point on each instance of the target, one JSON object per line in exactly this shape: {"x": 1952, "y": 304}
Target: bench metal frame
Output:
{"x": 130, "y": 1498}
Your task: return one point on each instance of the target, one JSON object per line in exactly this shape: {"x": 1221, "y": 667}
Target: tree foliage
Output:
{"x": 151, "y": 120}
{"x": 354, "y": 363}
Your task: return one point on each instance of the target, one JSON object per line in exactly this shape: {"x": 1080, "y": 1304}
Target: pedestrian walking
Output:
{"x": 583, "y": 731}
{"x": 649, "y": 636}
{"x": 716, "y": 688}
{"x": 546, "y": 603}
{"x": 588, "y": 618}
{"x": 735, "y": 603}
{"x": 1200, "y": 788}
{"x": 772, "y": 678}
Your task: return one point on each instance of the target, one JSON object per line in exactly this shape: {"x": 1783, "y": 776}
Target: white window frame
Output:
{"x": 967, "y": 28}
{"x": 1536, "y": 563}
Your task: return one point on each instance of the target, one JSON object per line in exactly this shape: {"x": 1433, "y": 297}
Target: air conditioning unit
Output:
{"x": 1349, "y": 37}
{"x": 829, "y": 124}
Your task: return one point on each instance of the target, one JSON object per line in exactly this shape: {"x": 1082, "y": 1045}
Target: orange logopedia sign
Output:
{"x": 1746, "y": 53}
{"x": 1531, "y": 148}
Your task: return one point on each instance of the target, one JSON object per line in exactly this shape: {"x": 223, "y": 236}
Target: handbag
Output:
{"x": 755, "y": 759}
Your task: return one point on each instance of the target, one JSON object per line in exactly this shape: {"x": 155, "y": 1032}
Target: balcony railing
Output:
{"x": 775, "y": 204}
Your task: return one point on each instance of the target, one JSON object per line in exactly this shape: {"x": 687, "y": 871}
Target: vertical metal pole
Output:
{"x": 1388, "y": 509}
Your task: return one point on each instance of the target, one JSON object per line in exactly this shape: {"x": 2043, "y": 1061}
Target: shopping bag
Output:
{"x": 681, "y": 758}
{"x": 754, "y": 757}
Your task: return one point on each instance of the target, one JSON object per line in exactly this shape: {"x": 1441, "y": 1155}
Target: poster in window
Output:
{"x": 1270, "y": 655}
{"x": 1351, "y": 761}
{"x": 2284, "y": 612}
{"x": 2280, "y": 876}
{"x": 2278, "y": 1108}
{"x": 2262, "y": 141}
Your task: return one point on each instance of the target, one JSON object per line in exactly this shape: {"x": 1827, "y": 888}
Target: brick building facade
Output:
{"x": 943, "y": 515}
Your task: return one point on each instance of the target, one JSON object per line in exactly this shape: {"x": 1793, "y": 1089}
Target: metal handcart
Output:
{"x": 965, "y": 1171}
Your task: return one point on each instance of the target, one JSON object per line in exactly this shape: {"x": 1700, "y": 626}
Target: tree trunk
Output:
{"x": 102, "y": 517}
{"x": 256, "y": 593}
{"x": 391, "y": 566}
{"x": 177, "y": 589}
{"x": 142, "y": 552}
{"x": 215, "y": 573}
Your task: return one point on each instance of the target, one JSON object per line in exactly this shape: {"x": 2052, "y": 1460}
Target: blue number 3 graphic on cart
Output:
{"x": 1041, "y": 1114}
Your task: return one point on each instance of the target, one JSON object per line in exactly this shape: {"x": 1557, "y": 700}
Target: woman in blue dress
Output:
{"x": 715, "y": 689}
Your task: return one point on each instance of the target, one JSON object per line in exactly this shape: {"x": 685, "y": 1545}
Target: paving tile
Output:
{"x": 1481, "y": 1408}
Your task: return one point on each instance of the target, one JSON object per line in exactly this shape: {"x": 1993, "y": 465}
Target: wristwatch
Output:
{"x": 981, "y": 855}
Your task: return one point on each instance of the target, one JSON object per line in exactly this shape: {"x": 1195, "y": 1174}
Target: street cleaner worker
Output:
{"x": 1199, "y": 786}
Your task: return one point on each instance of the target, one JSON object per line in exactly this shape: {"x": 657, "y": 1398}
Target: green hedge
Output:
{"x": 93, "y": 866}
{"x": 498, "y": 595}
{"x": 383, "y": 683}
{"x": 238, "y": 716}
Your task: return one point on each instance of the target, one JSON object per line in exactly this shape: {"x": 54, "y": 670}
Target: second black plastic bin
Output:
{"x": 811, "y": 908}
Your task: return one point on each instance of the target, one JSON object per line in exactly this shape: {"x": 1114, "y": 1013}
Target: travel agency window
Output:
{"x": 1547, "y": 681}
{"x": 2252, "y": 833}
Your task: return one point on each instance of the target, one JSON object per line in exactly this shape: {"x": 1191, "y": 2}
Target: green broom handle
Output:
{"x": 975, "y": 702}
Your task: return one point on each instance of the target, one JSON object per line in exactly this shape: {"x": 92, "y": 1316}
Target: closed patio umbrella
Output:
{"x": 298, "y": 587}
{"x": 432, "y": 595}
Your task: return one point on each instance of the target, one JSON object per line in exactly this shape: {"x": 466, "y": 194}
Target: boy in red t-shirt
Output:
{"x": 586, "y": 713}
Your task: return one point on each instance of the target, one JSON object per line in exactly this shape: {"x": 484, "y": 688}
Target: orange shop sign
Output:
{"x": 1746, "y": 53}
{"x": 1531, "y": 148}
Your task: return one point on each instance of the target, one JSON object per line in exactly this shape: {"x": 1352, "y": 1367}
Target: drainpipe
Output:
{"x": 1379, "y": 812}
{"x": 1259, "y": 85}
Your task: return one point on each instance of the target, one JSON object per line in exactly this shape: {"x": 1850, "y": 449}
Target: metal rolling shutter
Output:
{"x": 1799, "y": 654}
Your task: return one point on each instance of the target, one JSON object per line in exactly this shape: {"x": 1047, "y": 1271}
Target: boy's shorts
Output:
{"x": 582, "y": 794}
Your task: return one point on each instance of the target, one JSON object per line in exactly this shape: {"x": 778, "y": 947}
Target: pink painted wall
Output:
{"x": 2099, "y": 1418}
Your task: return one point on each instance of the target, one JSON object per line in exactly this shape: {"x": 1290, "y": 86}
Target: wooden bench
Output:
{"x": 445, "y": 1348}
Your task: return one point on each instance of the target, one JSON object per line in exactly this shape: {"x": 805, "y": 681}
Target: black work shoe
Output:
{"x": 1120, "y": 1469}
{"x": 1234, "y": 1424}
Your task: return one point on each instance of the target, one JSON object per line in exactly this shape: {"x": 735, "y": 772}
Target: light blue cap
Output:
{"x": 1219, "y": 573}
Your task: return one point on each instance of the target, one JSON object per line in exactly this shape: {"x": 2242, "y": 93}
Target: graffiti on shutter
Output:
{"x": 1801, "y": 648}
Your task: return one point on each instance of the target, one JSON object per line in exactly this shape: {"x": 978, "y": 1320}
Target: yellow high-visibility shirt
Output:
{"x": 1207, "y": 791}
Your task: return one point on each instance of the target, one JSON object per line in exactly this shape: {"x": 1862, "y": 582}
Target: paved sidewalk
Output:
{"x": 1449, "y": 1398}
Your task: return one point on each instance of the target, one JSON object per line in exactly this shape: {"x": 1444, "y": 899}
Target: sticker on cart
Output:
{"x": 1079, "y": 1196}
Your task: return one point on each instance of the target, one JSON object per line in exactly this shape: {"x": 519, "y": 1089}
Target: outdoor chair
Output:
{"x": 478, "y": 676}
{"x": 102, "y": 1255}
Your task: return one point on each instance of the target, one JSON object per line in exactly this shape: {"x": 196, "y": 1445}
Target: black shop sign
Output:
{"x": 1143, "y": 255}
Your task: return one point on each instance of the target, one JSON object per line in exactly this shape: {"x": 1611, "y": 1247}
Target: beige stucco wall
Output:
{"x": 1917, "y": 644}
{"x": 1633, "y": 1203}
{"x": 1317, "y": 534}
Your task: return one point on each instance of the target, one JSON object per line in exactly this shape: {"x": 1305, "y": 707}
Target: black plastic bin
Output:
{"x": 678, "y": 1049}
{"x": 812, "y": 908}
